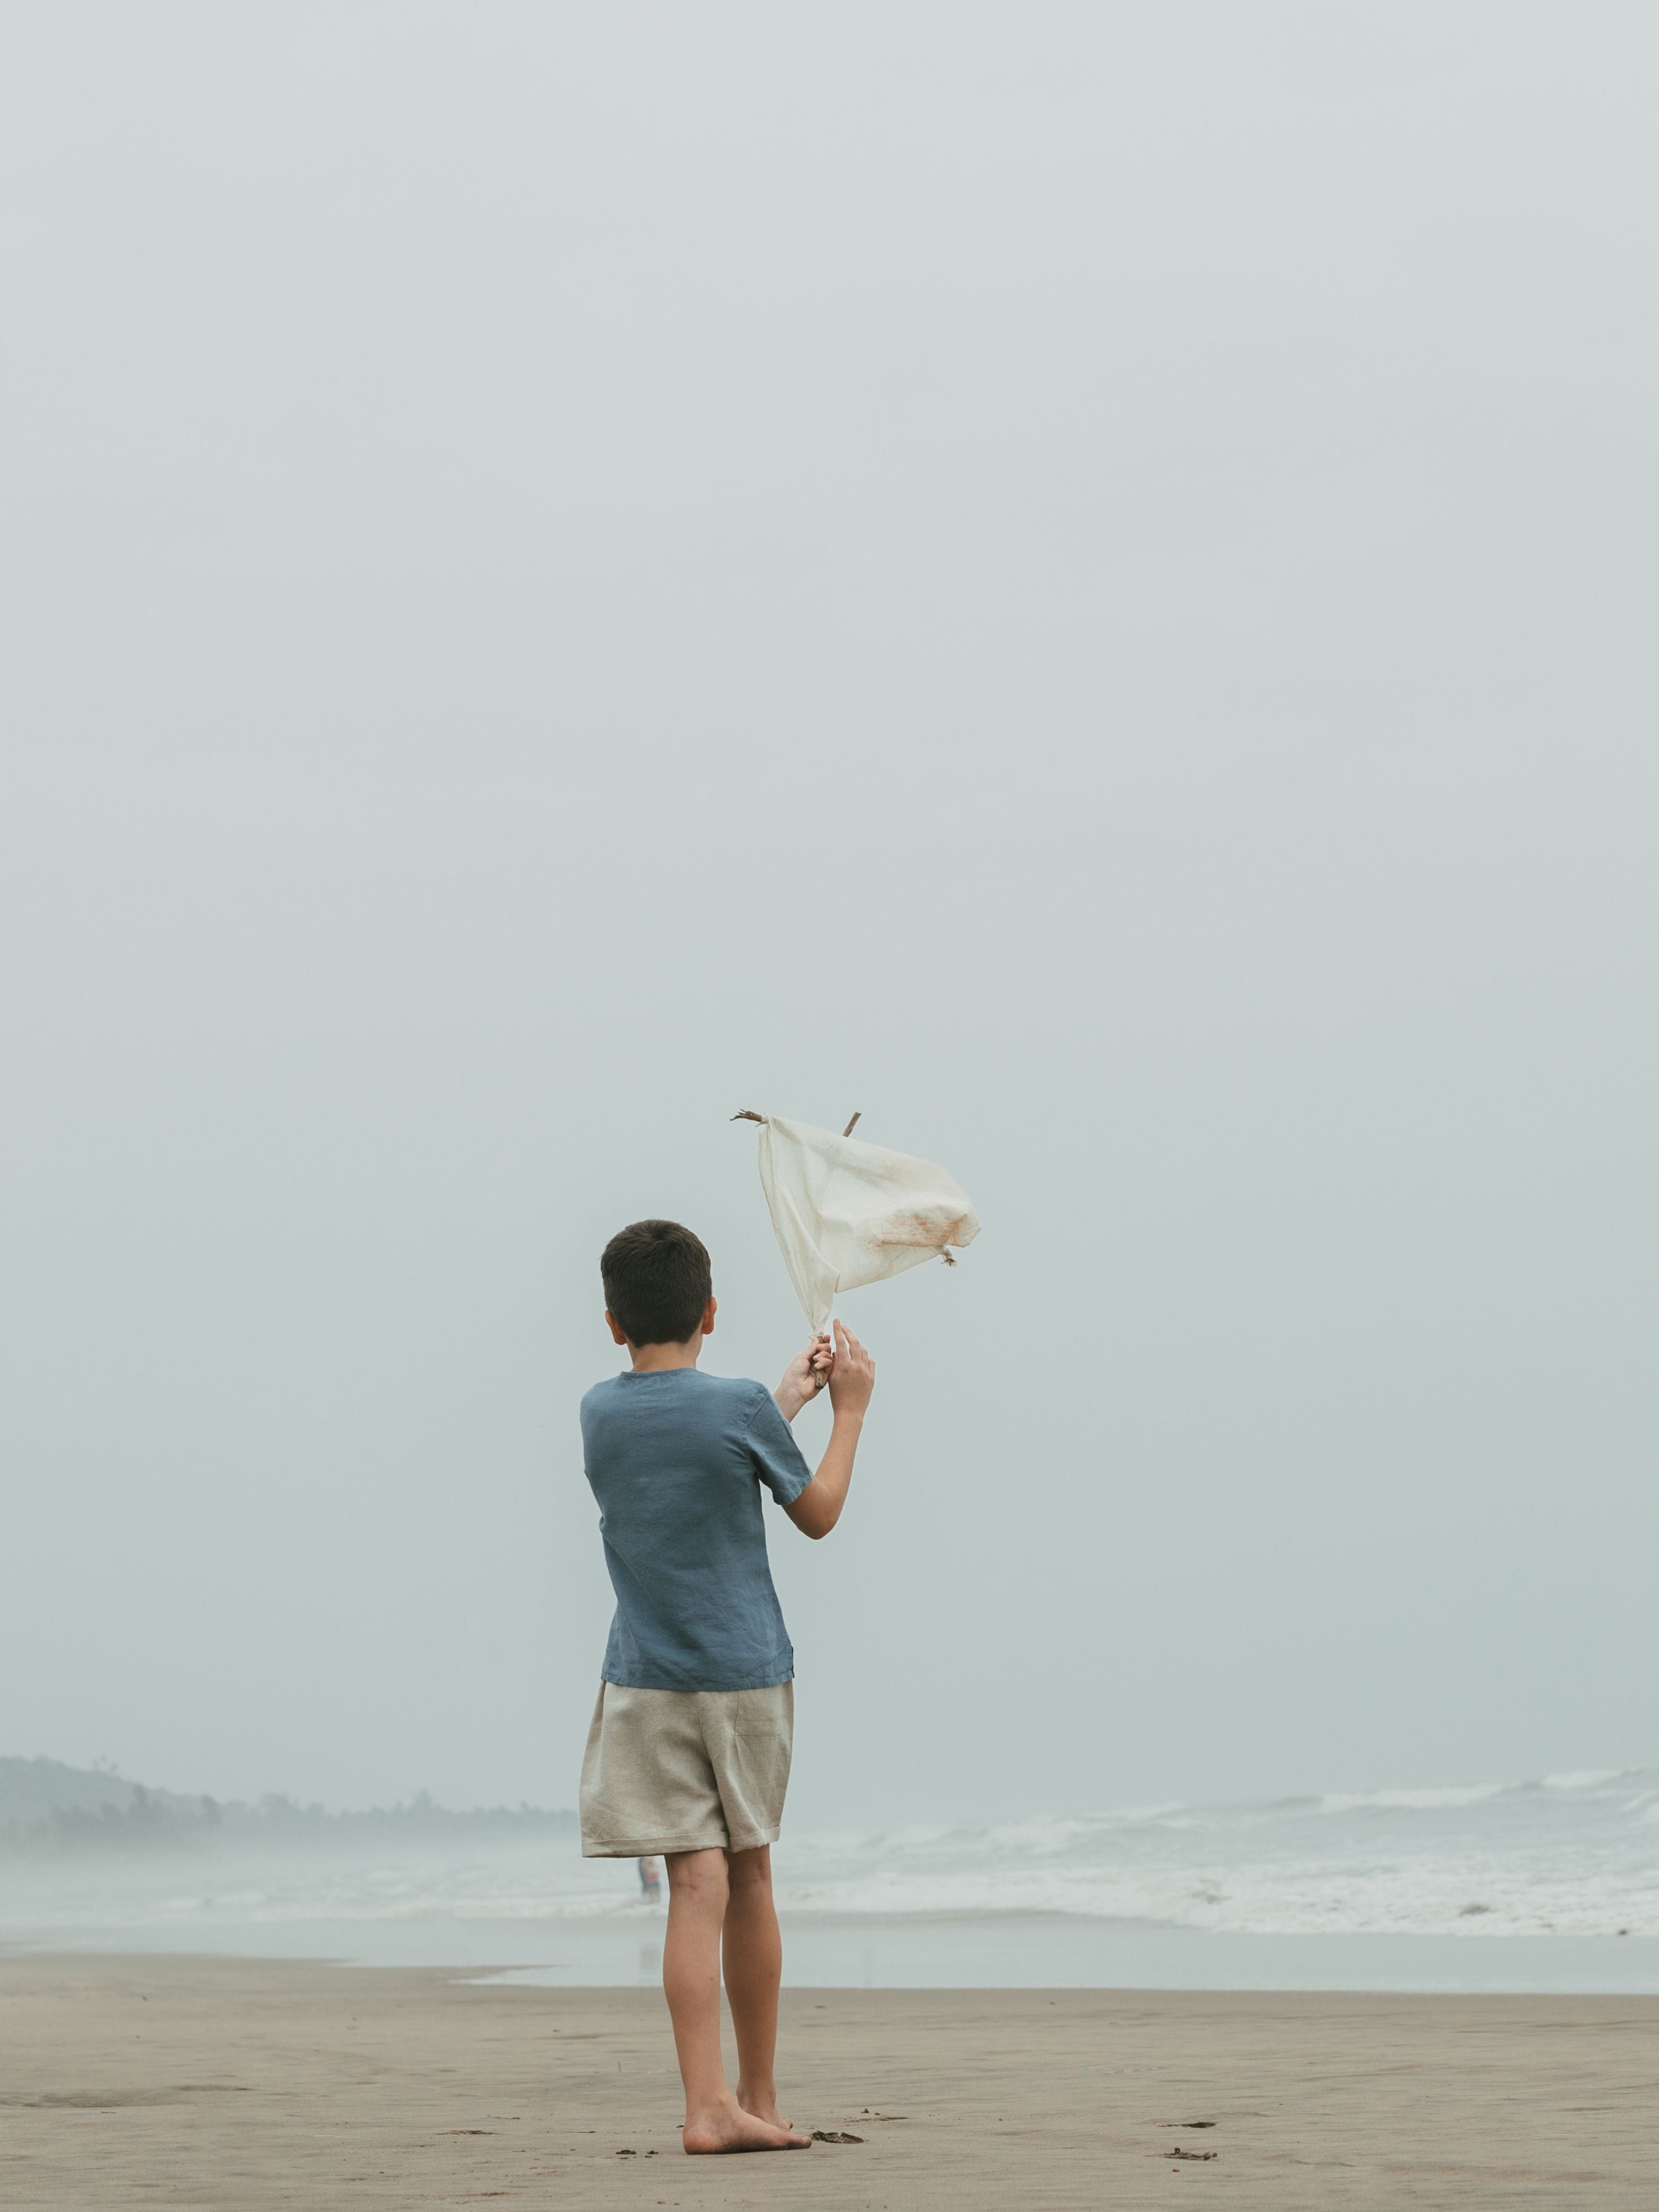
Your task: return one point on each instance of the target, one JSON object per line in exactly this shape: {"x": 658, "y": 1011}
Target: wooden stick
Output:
{"x": 853, "y": 1124}
{"x": 747, "y": 1116}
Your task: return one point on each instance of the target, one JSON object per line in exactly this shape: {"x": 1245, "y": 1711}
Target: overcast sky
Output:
{"x": 1077, "y": 578}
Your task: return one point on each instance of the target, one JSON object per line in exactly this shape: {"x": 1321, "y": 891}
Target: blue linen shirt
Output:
{"x": 675, "y": 1460}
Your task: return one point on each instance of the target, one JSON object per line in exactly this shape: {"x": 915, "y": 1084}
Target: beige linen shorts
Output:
{"x": 685, "y": 1770}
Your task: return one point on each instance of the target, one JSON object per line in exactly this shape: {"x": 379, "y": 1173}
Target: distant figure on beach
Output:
{"x": 688, "y": 1756}
{"x": 650, "y": 1880}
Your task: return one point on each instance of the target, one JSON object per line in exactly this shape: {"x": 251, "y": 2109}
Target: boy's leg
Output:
{"x": 753, "y": 1954}
{"x": 714, "y": 2121}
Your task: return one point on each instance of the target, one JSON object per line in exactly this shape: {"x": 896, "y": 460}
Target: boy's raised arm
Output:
{"x": 852, "y": 1379}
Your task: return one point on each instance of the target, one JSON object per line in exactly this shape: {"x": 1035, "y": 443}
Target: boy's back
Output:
{"x": 675, "y": 1459}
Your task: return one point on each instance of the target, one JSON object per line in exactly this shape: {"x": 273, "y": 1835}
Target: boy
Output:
{"x": 687, "y": 1757}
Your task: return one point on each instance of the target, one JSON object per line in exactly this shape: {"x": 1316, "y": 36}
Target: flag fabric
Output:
{"x": 847, "y": 1213}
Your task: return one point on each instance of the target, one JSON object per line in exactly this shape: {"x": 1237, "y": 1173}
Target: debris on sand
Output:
{"x": 833, "y": 2135}
{"x": 1200, "y": 2155}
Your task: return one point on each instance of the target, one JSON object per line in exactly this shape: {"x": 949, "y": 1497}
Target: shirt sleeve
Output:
{"x": 776, "y": 1454}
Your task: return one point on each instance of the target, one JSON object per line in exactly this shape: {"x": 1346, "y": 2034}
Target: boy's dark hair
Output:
{"x": 656, "y": 1281}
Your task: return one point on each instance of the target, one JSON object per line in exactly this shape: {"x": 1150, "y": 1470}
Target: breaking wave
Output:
{"x": 1573, "y": 1854}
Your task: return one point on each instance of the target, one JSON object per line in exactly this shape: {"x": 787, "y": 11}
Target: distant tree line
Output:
{"x": 150, "y": 1822}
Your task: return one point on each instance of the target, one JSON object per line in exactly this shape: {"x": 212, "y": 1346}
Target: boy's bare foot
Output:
{"x": 765, "y": 2109}
{"x": 728, "y": 2127}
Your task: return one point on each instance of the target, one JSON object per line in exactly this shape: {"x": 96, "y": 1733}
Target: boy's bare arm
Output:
{"x": 852, "y": 1379}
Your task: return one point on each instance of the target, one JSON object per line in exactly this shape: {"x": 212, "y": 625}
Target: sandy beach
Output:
{"x": 249, "y": 2083}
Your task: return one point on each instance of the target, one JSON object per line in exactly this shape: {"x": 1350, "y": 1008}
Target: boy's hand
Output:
{"x": 852, "y": 1375}
{"x": 805, "y": 1377}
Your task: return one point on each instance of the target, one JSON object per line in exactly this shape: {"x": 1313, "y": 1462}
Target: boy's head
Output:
{"x": 658, "y": 1284}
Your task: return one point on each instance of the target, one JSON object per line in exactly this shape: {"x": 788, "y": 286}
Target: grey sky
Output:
{"x": 1079, "y": 579}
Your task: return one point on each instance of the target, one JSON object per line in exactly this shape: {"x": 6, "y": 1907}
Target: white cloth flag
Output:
{"x": 848, "y": 1213}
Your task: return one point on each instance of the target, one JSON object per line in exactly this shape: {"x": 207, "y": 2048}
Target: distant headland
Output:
{"x": 47, "y": 1807}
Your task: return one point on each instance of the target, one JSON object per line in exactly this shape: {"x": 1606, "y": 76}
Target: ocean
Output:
{"x": 1550, "y": 1885}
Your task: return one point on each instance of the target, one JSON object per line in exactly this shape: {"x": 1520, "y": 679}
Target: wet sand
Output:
{"x": 245, "y": 2084}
